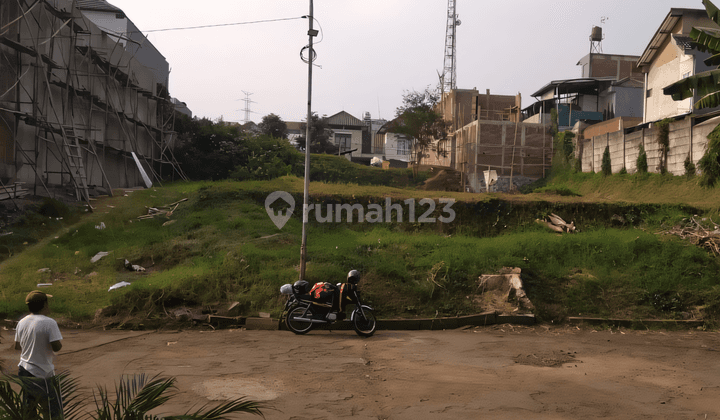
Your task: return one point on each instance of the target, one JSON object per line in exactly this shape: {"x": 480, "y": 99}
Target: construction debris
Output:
{"x": 504, "y": 287}
{"x": 118, "y": 285}
{"x": 133, "y": 267}
{"x": 556, "y": 223}
{"x": 13, "y": 191}
{"x": 99, "y": 255}
{"x": 166, "y": 211}
{"x": 694, "y": 231}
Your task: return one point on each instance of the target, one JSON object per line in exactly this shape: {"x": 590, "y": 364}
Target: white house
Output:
{"x": 671, "y": 56}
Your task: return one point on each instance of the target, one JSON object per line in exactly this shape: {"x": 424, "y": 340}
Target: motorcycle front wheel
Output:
{"x": 295, "y": 325}
{"x": 364, "y": 325}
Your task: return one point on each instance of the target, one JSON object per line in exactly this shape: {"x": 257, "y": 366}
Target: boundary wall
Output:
{"x": 687, "y": 138}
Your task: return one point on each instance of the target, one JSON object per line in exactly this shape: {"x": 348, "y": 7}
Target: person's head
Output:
{"x": 36, "y": 301}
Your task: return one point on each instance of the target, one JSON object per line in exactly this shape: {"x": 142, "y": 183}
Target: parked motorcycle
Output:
{"x": 325, "y": 303}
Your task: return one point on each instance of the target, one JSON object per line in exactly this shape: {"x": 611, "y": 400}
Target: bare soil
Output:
{"x": 497, "y": 372}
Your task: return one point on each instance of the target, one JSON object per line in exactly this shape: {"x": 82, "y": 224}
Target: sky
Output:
{"x": 371, "y": 52}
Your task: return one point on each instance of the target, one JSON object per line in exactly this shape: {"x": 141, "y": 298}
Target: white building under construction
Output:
{"x": 84, "y": 101}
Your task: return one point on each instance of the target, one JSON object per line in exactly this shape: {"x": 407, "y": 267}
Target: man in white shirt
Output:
{"x": 38, "y": 337}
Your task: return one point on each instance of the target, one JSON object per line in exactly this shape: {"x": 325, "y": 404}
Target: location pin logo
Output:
{"x": 279, "y": 219}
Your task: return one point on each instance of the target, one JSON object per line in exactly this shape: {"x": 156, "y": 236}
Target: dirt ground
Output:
{"x": 498, "y": 372}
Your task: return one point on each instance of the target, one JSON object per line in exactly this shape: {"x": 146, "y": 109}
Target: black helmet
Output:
{"x": 353, "y": 277}
{"x": 301, "y": 287}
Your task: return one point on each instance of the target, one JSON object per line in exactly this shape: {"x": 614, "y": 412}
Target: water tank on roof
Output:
{"x": 596, "y": 34}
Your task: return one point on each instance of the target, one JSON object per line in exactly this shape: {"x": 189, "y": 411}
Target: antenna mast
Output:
{"x": 449, "y": 75}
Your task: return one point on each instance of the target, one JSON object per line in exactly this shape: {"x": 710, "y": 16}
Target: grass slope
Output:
{"x": 220, "y": 246}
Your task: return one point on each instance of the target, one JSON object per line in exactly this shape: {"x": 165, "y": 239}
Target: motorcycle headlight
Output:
{"x": 286, "y": 289}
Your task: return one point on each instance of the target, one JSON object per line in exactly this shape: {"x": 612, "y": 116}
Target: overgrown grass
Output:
{"x": 638, "y": 188}
{"x": 221, "y": 247}
{"x": 336, "y": 169}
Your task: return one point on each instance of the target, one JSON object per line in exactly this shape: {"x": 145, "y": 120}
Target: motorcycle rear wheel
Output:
{"x": 297, "y": 326}
{"x": 364, "y": 325}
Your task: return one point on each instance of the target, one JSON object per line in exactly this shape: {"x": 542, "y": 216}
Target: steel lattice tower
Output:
{"x": 449, "y": 75}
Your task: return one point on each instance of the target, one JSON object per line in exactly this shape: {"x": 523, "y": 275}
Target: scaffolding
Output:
{"x": 81, "y": 111}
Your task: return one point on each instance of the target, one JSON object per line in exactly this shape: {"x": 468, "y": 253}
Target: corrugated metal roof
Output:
{"x": 293, "y": 125}
{"x": 97, "y": 5}
{"x": 343, "y": 118}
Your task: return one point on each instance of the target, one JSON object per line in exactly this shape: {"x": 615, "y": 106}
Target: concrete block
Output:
{"x": 521, "y": 319}
{"x": 262, "y": 324}
{"x": 224, "y": 321}
{"x": 637, "y": 323}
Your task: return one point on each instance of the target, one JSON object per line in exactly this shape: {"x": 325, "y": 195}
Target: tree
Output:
{"x": 273, "y": 126}
{"x": 268, "y": 158}
{"x": 420, "y": 121}
{"x": 320, "y": 134}
{"x": 210, "y": 150}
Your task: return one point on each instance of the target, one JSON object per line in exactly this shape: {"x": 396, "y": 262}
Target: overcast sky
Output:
{"x": 369, "y": 52}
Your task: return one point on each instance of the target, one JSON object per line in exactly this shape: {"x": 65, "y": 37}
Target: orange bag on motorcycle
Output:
{"x": 322, "y": 294}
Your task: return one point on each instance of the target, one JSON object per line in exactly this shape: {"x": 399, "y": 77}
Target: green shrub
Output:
{"x": 709, "y": 164}
{"x": 689, "y": 167}
{"x": 641, "y": 163}
{"x": 606, "y": 165}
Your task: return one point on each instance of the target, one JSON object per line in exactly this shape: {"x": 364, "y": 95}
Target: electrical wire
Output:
{"x": 189, "y": 27}
{"x": 312, "y": 55}
{"x": 221, "y": 24}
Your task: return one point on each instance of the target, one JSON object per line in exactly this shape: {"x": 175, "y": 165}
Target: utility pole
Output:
{"x": 311, "y": 56}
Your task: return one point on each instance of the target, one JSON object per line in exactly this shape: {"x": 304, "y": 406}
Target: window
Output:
{"x": 686, "y": 75}
{"x": 649, "y": 93}
{"x": 342, "y": 141}
{"x": 403, "y": 147}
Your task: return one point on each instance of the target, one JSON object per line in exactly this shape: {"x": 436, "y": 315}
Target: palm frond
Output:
{"x": 703, "y": 84}
{"x": 240, "y": 405}
{"x": 710, "y": 100}
{"x": 713, "y": 60}
{"x": 712, "y": 11}
{"x": 134, "y": 396}
{"x": 152, "y": 395}
{"x": 14, "y": 403}
{"x": 11, "y": 403}
{"x": 706, "y": 40}
{"x": 73, "y": 399}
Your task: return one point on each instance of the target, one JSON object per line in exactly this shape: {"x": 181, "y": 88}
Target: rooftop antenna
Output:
{"x": 449, "y": 73}
{"x": 247, "y": 110}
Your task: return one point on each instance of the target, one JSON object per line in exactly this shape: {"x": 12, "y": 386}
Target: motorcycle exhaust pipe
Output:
{"x": 312, "y": 321}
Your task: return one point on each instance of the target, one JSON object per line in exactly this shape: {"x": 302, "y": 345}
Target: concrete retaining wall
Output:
{"x": 686, "y": 140}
